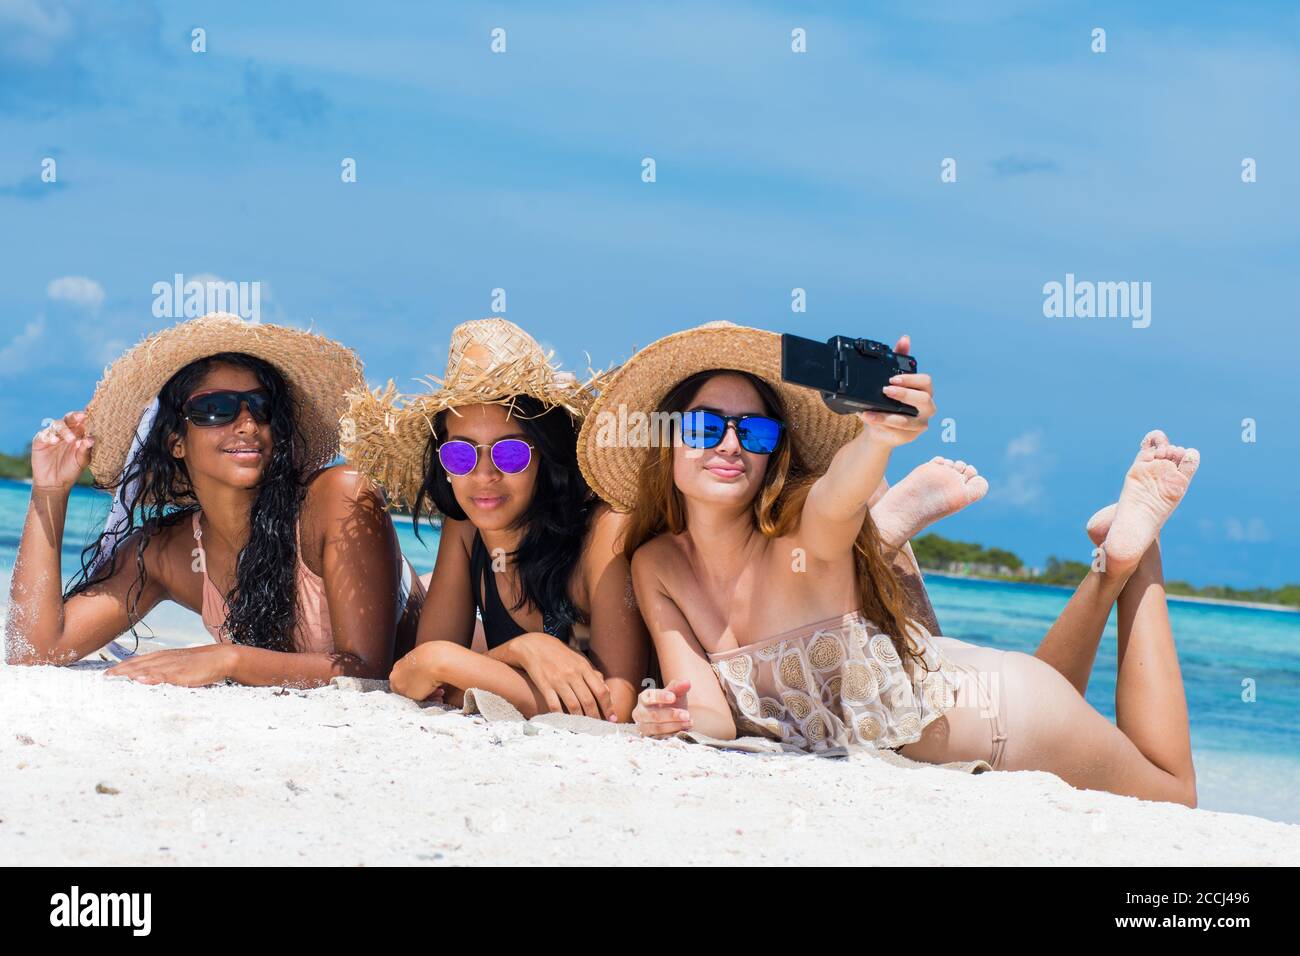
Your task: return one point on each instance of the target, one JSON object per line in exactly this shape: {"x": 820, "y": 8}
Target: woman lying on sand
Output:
{"x": 524, "y": 541}
{"x": 294, "y": 567}
{"x": 769, "y": 599}
{"x": 555, "y": 545}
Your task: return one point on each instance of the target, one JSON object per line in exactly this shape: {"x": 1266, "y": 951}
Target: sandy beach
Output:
{"x": 100, "y": 771}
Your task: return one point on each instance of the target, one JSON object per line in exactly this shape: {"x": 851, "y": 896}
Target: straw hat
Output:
{"x": 318, "y": 371}
{"x": 641, "y": 383}
{"x": 489, "y": 362}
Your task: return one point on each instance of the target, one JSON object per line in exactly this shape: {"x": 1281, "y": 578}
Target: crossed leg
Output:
{"x": 1049, "y": 724}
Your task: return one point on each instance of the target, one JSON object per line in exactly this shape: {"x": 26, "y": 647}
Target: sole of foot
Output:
{"x": 937, "y": 489}
{"x": 1154, "y": 486}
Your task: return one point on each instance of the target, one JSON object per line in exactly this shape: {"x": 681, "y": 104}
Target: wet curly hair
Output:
{"x": 261, "y": 606}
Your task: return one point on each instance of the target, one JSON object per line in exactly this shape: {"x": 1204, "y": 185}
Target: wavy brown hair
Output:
{"x": 661, "y": 509}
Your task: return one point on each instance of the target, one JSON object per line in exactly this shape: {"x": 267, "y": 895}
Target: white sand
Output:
{"x": 231, "y": 775}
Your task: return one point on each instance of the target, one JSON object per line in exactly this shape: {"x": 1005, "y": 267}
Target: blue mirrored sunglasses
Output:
{"x": 705, "y": 428}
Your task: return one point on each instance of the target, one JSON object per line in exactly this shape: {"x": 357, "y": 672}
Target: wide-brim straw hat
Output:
{"x": 614, "y": 469}
{"x": 318, "y": 371}
{"x": 489, "y": 362}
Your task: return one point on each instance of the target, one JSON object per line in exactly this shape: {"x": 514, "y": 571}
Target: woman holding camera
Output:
{"x": 774, "y": 612}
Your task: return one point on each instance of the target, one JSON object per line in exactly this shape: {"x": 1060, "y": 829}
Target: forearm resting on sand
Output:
{"x": 446, "y": 664}
{"x": 259, "y": 667}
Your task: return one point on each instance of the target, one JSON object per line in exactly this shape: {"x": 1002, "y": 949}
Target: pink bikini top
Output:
{"x": 311, "y": 632}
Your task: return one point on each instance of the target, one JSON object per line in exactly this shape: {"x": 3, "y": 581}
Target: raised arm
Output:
{"x": 691, "y": 687}
{"x": 837, "y": 503}
{"x": 41, "y": 627}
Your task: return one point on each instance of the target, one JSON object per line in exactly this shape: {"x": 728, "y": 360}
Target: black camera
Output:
{"x": 850, "y": 373}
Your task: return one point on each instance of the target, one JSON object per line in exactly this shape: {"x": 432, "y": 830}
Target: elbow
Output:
{"x": 20, "y": 652}
{"x": 354, "y": 665}
{"x": 712, "y": 723}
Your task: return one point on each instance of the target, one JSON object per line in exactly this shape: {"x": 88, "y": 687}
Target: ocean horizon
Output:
{"x": 1247, "y": 751}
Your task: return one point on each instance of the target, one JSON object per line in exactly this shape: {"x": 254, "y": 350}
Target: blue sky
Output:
{"x": 775, "y": 170}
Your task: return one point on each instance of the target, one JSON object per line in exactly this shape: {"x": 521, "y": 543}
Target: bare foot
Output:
{"x": 935, "y": 490}
{"x": 1153, "y": 487}
{"x": 1099, "y": 524}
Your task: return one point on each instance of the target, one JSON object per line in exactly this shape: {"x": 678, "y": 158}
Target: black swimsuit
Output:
{"x": 498, "y": 625}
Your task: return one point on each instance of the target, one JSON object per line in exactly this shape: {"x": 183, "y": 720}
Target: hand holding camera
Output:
{"x": 864, "y": 377}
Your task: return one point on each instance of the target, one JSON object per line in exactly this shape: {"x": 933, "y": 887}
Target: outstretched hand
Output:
{"x": 913, "y": 389}
{"x": 661, "y": 712}
{"x": 185, "y": 666}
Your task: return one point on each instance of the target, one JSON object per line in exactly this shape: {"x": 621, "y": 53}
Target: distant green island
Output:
{"x": 967, "y": 559}
{"x": 19, "y": 468}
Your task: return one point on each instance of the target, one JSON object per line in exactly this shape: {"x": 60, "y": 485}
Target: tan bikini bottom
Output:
{"x": 977, "y": 724}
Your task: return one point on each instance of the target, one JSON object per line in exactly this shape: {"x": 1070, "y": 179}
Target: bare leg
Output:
{"x": 1153, "y": 487}
{"x": 1048, "y": 723}
{"x": 1150, "y": 702}
{"x": 1070, "y": 644}
{"x": 1149, "y": 753}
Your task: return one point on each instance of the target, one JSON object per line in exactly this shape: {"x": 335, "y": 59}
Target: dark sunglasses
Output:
{"x": 510, "y": 455}
{"x": 222, "y": 408}
{"x": 703, "y": 428}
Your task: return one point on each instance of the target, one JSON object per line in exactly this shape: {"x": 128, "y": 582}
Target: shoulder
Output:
{"x": 656, "y": 556}
{"x": 340, "y": 482}
{"x": 606, "y": 526}
{"x": 460, "y": 532}
{"x": 168, "y": 546}
{"x": 174, "y": 532}
{"x": 334, "y": 493}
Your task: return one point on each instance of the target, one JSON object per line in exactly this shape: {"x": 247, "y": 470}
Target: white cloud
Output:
{"x": 14, "y": 356}
{"x": 1253, "y": 531}
{"x": 1026, "y": 445}
{"x": 78, "y": 290}
{"x": 1025, "y": 464}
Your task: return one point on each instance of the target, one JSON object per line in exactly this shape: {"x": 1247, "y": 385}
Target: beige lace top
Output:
{"x": 837, "y": 683}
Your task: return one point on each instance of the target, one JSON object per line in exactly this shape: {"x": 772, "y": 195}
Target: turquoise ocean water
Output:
{"x": 1247, "y": 753}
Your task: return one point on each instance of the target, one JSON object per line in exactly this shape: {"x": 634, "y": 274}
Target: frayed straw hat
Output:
{"x": 613, "y": 467}
{"x": 319, "y": 373}
{"x": 489, "y": 362}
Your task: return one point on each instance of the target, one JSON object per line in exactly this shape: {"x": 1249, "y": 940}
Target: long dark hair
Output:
{"x": 555, "y": 522}
{"x": 263, "y": 602}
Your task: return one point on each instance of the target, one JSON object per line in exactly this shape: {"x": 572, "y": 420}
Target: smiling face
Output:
{"x": 491, "y": 499}
{"x": 233, "y": 454}
{"x": 725, "y": 474}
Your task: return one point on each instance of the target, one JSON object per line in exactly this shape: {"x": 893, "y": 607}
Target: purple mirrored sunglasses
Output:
{"x": 509, "y": 455}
